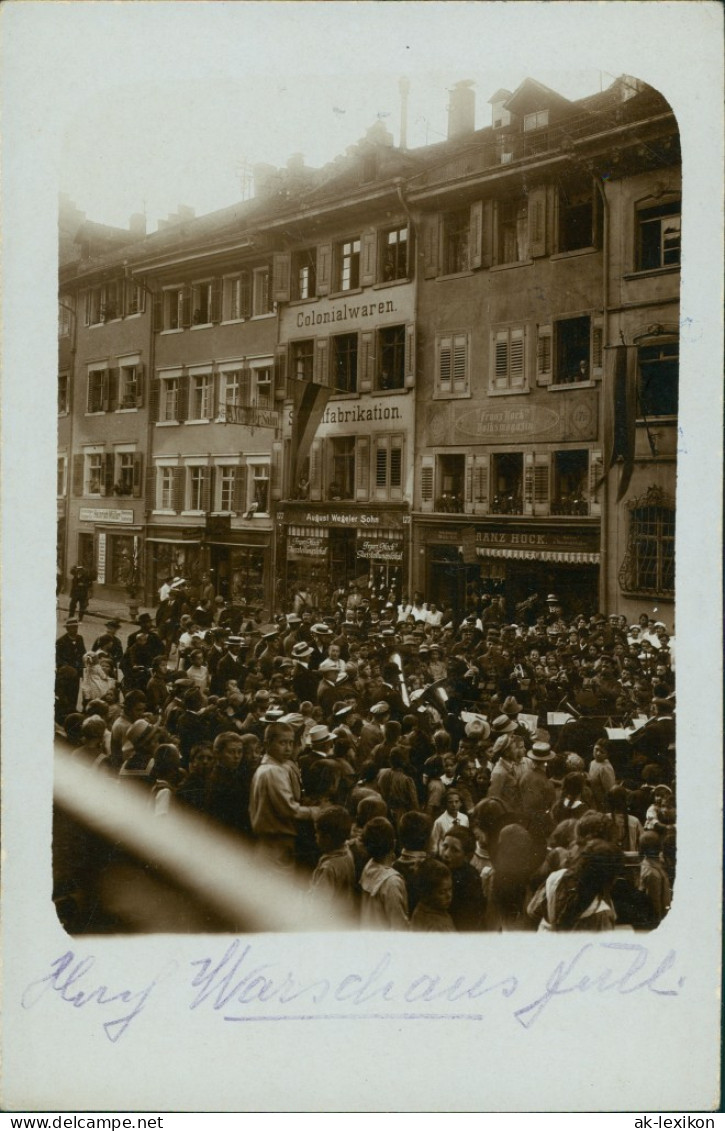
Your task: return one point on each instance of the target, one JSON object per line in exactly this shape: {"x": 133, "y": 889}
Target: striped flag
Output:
{"x": 620, "y": 417}
{"x": 310, "y": 401}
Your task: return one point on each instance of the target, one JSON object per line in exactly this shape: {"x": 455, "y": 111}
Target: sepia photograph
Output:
{"x": 371, "y": 470}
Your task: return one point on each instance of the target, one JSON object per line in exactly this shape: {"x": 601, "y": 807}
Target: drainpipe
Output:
{"x": 149, "y": 597}
{"x": 603, "y": 540}
{"x": 411, "y": 222}
{"x": 71, "y": 414}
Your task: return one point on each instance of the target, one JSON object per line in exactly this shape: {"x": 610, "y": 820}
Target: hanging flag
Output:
{"x": 310, "y": 401}
{"x": 620, "y": 417}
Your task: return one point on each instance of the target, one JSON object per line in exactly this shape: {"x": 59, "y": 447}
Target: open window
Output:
{"x": 450, "y": 484}
{"x": 344, "y": 363}
{"x": 507, "y": 478}
{"x": 658, "y": 235}
{"x": 658, "y": 379}
{"x": 570, "y": 482}
{"x": 341, "y": 469}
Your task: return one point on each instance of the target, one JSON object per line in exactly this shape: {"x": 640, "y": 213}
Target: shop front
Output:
{"x": 172, "y": 552}
{"x": 323, "y": 550}
{"x": 110, "y": 545}
{"x": 239, "y": 563}
{"x": 523, "y": 563}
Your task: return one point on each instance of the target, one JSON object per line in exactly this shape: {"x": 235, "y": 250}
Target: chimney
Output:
{"x": 137, "y": 224}
{"x": 295, "y": 164}
{"x": 462, "y": 109}
{"x": 264, "y": 175}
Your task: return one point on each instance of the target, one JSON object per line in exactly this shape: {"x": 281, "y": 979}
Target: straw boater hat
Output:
{"x": 541, "y": 752}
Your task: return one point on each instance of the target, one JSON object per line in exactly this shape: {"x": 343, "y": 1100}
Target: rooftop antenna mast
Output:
{"x": 404, "y": 87}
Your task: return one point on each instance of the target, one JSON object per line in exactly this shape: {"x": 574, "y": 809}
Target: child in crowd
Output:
{"x": 435, "y": 886}
{"x": 451, "y": 816}
{"x": 384, "y": 898}
{"x": 334, "y": 875}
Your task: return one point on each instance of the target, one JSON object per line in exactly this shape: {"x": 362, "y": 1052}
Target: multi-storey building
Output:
{"x": 548, "y": 238}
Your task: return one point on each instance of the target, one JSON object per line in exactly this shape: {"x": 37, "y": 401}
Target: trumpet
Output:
{"x": 397, "y": 659}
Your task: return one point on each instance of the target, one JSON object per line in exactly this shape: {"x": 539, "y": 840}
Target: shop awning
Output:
{"x": 571, "y": 557}
{"x": 175, "y": 541}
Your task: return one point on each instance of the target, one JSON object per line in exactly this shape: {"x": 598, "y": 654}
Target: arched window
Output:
{"x": 649, "y": 563}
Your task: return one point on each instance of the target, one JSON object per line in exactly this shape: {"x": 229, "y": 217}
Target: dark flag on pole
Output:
{"x": 310, "y": 401}
{"x": 621, "y": 412}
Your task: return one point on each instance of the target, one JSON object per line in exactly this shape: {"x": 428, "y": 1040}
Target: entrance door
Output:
{"x": 85, "y": 552}
{"x": 342, "y": 557}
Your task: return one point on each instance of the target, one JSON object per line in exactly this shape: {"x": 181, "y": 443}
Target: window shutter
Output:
{"x": 501, "y": 359}
{"x": 366, "y": 363}
{"x": 78, "y": 469}
{"x": 368, "y": 258}
{"x": 245, "y": 296}
{"x": 396, "y": 467}
{"x": 109, "y": 461}
{"x": 70, "y": 390}
{"x": 154, "y": 399}
{"x": 596, "y": 470}
{"x": 153, "y": 487}
{"x": 445, "y": 364}
{"x": 215, "y": 305}
{"x": 324, "y": 268}
{"x": 215, "y": 382}
{"x": 321, "y": 364}
{"x": 460, "y": 366}
{"x": 475, "y": 235}
{"x": 206, "y": 490}
{"x": 536, "y": 483}
{"x": 487, "y": 233}
{"x": 110, "y": 391}
{"x": 544, "y": 366}
{"x": 177, "y": 491}
{"x": 517, "y": 359}
{"x": 157, "y": 314}
{"x": 410, "y": 355}
{"x": 239, "y": 502}
{"x": 427, "y": 472}
{"x": 537, "y": 222}
{"x": 280, "y": 372}
{"x": 139, "y": 385}
{"x": 137, "y": 475}
{"x": 281, "y": 271}
{"x": 481, "y": 481}
{"x": 182, "y": 410}
{"x": 276, "y": 470}
{"x": 431, "y": 239}
{"x": 362, "y": 468}
{"x": 87, "y": 306}
{"x": 316, "y": 470}
{"x": 245, "y": 387}
{"x": 382, "y": 445}
{"x": 597, "y": 359}
{"x": 468, "y": 491}
{"x": 528, "y": 482}
{"x": 186, "y": 307}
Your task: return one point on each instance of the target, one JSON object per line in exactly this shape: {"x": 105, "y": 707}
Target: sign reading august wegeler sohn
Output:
{"x": 566, "y": 418}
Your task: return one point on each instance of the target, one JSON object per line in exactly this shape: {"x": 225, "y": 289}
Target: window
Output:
{"x": 166, "y": 481}
{"x": 198, "y": 488}
{"x": 128, "y": 386}
{"x": 344, "y": 363}
{"x": 123, "y": 481}
{"x": 452, "y": 372}
{"x": 571, "y": 474}
{"x": 451, "y": 478}
{"x": 572, "y": 346}
{"x": 226, "y": 478}
{"x": 394, "y": 254}
{"x": 61, "y": 477}
{"x": 342, "y": 468}
{"x": 507, "y": 476}
{"x": 649, "y": 563}
{"x": 94, "y": 303}
{"x": 388, "y": 467}
{"x": 348, "y": 265}
{"x": 97, "y": 390}
{"x": 536, "y": 120}
{"x": 135, "y": 296}
{"x": 577, "y": 215}
{"x": 509, "y": 359}
{"x": 200, "y": 407}
{"x": 262, "y": 296}
{"x": 111, "y": 301}
{"x": 259, "y": 487}
{"x": 94, "y": 482}
{"x": 262, "y": 386}
{"x": 237, "y": 297}
{"x": 658, "y": 236}
{"x": 169, "y": 407}
{"x": 201, "y": 303}
{"x": 174, "y": 308}
{"x": 456, "y": 227}
{"x": 124, "y": 558}
{"x": 303, "y": 360}
{"x": 65, "y": 313}
{"x": 391, "y": 358}
{"x": 63, "y": 392}
{"x": 304, "y": 273}
{"x": 658, "y": 379}
{"x": 512, "y": 230}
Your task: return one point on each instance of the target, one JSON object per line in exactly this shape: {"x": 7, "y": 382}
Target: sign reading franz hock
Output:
{"x": 570, "y": 418}
{"x": 379, "y": 551}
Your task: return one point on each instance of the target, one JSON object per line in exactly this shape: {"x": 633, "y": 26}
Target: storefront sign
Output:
{"x": 299, "y": 548}
{"x": 391, "y": 410}
{"x": 572, "y": 417}
{"x": 379, "y": 551}
{"x": 343, "y": 312}
{"x": 104, "y": 514}
{"x": 341, "y": 516}
{"x": 101, "y": 559}
{"x": 564, "y": 540}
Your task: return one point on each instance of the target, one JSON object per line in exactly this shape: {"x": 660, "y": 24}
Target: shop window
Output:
{"x": 578, "y": 212}
{"x": 97, "y": 390}
{"x": 658, "y": 236}
{"x": 452, "y": 369}
{"x": 456, "y": 231}
{"x": 262, "y": 293}
{"x": 649, "y": 564}
{"x": 124, "y": 565}
{"x": 658, "y": 379}
{"x": 451, "y": 473}
{"x": 394, "y": 254}
{"x": 200, "y": 407}
{"x": 303, "y": 360}
{"x": 201, "y": 303}
{"x": 507, "y": 475}
{"x": 246, "y": 568}
{"x": 61, "y": 477}
{"x": 174, "y": 308}
{"x": 570, "y": 482}
{"x": 512, "y": 230}
{"x": 304, "y": 273}
{"x": 391, "y": 358}
{"x": 237, "y": 295}
{"x": 572, "y": 350}
{"x": 537, "y": 120}
{"x": 344, "y": 362}
{"x": 63, "y": 393}
{"x": 342, "y": 469}
{"x": 347, "y": 265}
{"x": 509, "y": 359}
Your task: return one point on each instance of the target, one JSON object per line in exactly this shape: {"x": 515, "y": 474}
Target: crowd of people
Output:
{"x": 428, "y": 772}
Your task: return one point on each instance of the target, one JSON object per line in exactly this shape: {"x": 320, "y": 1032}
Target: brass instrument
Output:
{"x": 397, "y": 659}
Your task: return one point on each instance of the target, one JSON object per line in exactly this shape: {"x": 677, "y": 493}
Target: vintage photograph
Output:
{"x": 366, "y": 527}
